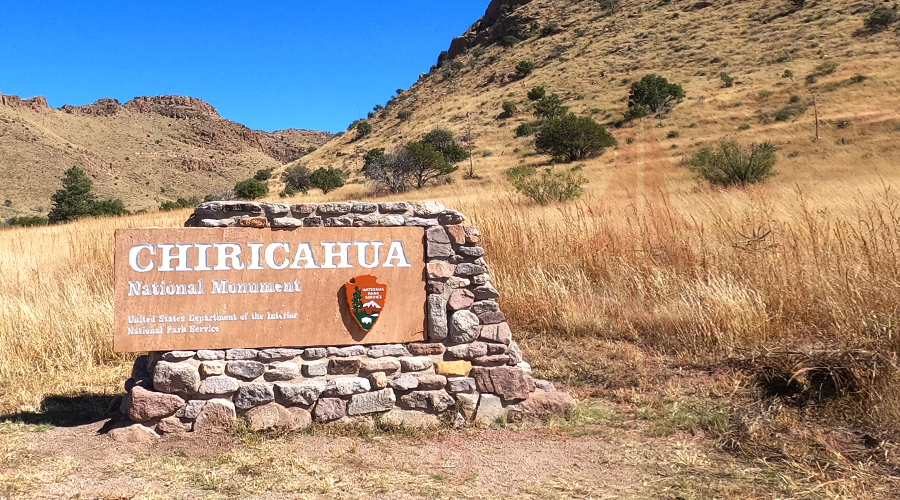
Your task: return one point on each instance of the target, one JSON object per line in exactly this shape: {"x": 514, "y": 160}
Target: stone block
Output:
{"x": 485, "y": 306}
{"x": 439, "y": 269}
{"x": 253, "y": 394}
{"x": 241, "y": 354}
{"x": 410, "y": 419}
{"x": 473, "y": 235}
{"x": 453, "y": 368}
{"x": 302, "y": 393}
{"x": 303, "y": 209}
{"x": 544, "y": 385}
{"x": 254, "y": 222}
{"x": 416, "y": 363}
{"x": 300, "y": 418}
{"x": 246, "y": 370}
{"x": 338, "y": 222}
{"x": 394, "y": 207}
{"x": 420, "y": 222}
{"x": 315, "y": 353}
{"x": 378, "y": 380}
{"x": 389, "y": 366}
{"x": 312, "y": 221}
{"x": 515, "y": 354}
{"x": 463, "y": 327}
{"x": 436, "y": 311}
{"x": 287, "y": 222}
{"x": 436, "y": 401}
{"x": 182, "y": 378}
{"x": 451, "y": 217}
{"x": 273, "y": 210}
{"x": 210, "y": 355}
{"x": 460, "y": 299}
{"x": 360, "y": 207}
{"x": 315, "y": 369}
{"x": 489, "y": 410}
{"x": 423, "y": 349}
{"x": 491, "y": 360}
{"x": 346, "y": 386}
{"x": 430, "y": 381}
{"x": 329, "y": 409}
{"x": 191, "y": 409}
{"x": 218, "y": 385}
{"x": 467, "y": 351}
{"x": 346, "y": 352}
{"x": 506, "y": 382}
{"x": 269, "y": 416}
{"x": 461, "y": 384}
{"x": 380, "y": 351}
{"x": 438, "y": 250}
{"x": 217, "y": 416}
{"x": 457, "y": 282}
{"x": 282, "y": 370}
{"x": 172, "y": 425}
{"x": 393, "y": 221}
{"x": 495, "y": 349}
{"x": 332, "y": 209}
{"x": 129, "y": 432}
{"x": 405, "y": 382}
{"x": 541, "y": 405}
{"x": 177, "y": 355}
{"x": 371, "y": 402}
{"x": 343, "y": 366}
{"x": 467, "y": 269}
{"x": 427, "y": 208}
{"x": 436, "y": 234}
{"x": 144, "y": 405}
{"x": 492, "y": 318}
{"x": 499, "y": 333}
{"x": 473, "y": 252}
{"x": 486, "y": 291}
{"x": 457, "y": 234}
{"x": 467, "y": 404}
{"x": 433, "y": 286}
{"x": 211, "y": 368}
{"x": 279, "y": 354}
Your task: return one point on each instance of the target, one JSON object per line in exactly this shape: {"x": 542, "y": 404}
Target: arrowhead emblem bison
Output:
{"x": 366, "y": 297}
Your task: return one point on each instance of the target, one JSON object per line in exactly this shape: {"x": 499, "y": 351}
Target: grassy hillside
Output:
{"x": 172, "y": 147}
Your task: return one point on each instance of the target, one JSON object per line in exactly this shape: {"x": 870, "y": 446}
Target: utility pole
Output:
{"x": 816, "y": 109}
{"x": 471, "y": 174}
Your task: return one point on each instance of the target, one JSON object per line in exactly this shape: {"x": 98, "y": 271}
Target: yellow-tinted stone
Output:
{"x": 453, "y": 368}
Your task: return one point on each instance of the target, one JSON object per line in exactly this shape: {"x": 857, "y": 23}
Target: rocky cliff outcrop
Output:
{"x": 103, "y": 107}
{"x": 499, "y": 20}
{"x": 173, "y": 106}
{"x": 38, "y": 103}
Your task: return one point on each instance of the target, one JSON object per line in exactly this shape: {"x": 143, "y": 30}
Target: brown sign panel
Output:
{"x": 216, "y": 288}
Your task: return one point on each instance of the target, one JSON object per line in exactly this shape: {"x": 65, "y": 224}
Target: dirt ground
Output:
{"x": 607, "y": 450}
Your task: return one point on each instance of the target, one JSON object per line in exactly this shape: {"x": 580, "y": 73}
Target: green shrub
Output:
{"x": 811, "y": 79}
{"x": 179, "y": 204}
{"x": 550, "y": 107}
{"x": 858, "y": 78}
{"x": 441, "y": 140}
{"x": 287, "y": 192}
{"x": 636, "y": 112}
{"x": 263, "y": 175}
{"x": 363, "y": 129}
{"x": 788, "y": 74}
{"x": 744, "y": 126}
{"x": 508, "y": 41}
{"x": 250, "y": 189}
{"x": 27, "y": 221}
{"x": 826, "y": 68}
{"x": 549, "y": 29}
{"x": 509, "y": 108}
{"x": 536, "y": 93}
{"x": 404, "y": 114}
{"x": 656, "y": 93}
{"x": 297, "y": 178}
{"x": 730, "y": 164}
{"x": 572, "y": 137}
{"x": 524, "y": 130}
{"x": 311, "y": 149}
{"x": 673, "y": 134}
{"x": 880, "y": 18}
{"x": 76, "y": 199}
{"x": 727, "y": 79}
{"x": 547, "y": 186}
{"x": 524, "y": 68}
{"x": 327, "y": 179}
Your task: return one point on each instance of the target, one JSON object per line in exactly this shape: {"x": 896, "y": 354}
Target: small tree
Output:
{"x": 373, "y": 156}
{"x": 536, "y": 93}
{"x": 730, "y": 164}
{"x": 509, "y": 108}
{"x": 251, "y": 189}
{"x": 404, "y": 114}
{"x": 880, "y": 18}
{"x": 550, "y": 107}
{"x": 727, "y": 80}
{"x": 263, "y": 175}
{"x": 391, "y": 172}
{"x": 572, "y": 137}
{"x": 636, "y": 112}
{"x": 327, "y": 179}
{"x": 548, "y": 186}
{"x": 656, "y": 93}
{"x": 524, "y": 68}
{"x": 76, "y": 199}
{"x": 363, "y": 129}
{"x": 297, "y": 178}
{"x": 442, "y": 141}
{"x": 524, "y": 129}
{"x": 508, "y": 41}
{"x": 428, "y": 163}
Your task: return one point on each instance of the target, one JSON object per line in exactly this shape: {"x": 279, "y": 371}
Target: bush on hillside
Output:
{"x": 880, "y": 18}
{"x": 636, "y": 112}
{"x": 549, "y": 29}
{"x": 656, "y": 93}
{"x": 76, "y": 199}
{"x": 731, "y": 164}
{"x": 509, "y": 108}
{"x": 263, "y": 175}
{"x": 27, "y": 221}
{"x": 547, "y": 186}
{"x": 572, "y": 137}
{"x": 508, "y": 41}
{"x": 179, "y": 204}
{"x": 550, "y": 107}
{"x": 524, "y": 68}
{"x": 536, "y": 93}
{"x": 297, "y": 178}
{"x": 327, "y": 179}
{"x": 250, "y": 189}
{"x": 441, "y": 140}
{"x": 524, "y": 129}
{"x": 404, "y": 114}
{"x": 727, "y": 80}
{"x": 363, "y": 129}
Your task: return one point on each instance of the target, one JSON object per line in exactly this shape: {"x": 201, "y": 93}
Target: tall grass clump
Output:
{"x": 731, "y": 164}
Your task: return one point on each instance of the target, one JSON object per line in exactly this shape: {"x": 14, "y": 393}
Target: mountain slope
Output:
{"x": 148, "y": 150}
{"x": 589, "y": 56}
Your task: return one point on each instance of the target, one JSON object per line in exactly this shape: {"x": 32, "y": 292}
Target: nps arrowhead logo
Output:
{"x": 366, "y": 297}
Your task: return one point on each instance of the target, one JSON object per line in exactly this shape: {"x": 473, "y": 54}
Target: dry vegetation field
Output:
{"x": 758, "y": 325}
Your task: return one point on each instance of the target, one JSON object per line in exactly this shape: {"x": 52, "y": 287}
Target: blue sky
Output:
{"x": 269, "y": 65}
